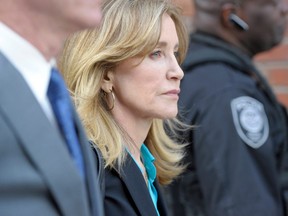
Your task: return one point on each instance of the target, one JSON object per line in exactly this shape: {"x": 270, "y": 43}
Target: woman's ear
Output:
{"x": 107, "y": 82}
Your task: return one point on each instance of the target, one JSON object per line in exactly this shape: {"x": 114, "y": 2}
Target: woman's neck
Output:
{"x": 136, "y": 134}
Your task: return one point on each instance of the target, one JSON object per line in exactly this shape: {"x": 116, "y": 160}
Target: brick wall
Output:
{"x": 273, "y": 64}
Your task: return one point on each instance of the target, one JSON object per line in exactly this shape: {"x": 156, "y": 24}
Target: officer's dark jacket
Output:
{"x": 237, "y": 146}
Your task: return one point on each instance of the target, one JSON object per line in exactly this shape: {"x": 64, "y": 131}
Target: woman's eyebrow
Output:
{"x": 165, "y": 44}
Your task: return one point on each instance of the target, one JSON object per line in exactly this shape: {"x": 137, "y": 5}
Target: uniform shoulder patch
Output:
{"x": 250, "y": 120}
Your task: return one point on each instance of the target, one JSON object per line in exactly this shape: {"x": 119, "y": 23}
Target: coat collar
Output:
{"x": 136, "y": 185}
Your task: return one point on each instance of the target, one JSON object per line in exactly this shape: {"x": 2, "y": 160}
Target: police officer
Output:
{"x": 237, "y": 148}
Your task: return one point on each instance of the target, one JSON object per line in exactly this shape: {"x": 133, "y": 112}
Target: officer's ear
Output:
{"x": 231, "y": 17}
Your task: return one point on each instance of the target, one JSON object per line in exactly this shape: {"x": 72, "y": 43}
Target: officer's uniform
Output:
{"x": 237, "y": 147}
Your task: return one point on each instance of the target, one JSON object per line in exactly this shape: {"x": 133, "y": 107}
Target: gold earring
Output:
{"x": 113, "y": 100}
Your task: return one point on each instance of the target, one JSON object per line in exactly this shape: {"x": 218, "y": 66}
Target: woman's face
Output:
{"x": 149, "y": 89}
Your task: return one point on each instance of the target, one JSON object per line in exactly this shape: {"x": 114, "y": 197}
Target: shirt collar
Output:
{"x": 148, "y": 161}
{"x": 27, "y": 59}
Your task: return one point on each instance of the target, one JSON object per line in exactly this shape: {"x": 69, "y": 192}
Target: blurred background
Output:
{"x": 273, "y": 64}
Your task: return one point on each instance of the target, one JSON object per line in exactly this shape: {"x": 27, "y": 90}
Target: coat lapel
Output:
{"x": 135, "y": 183}
{"x": 162, "y": 208}
{"x": 92, "y": 174}
{"x": 41, "y": 142}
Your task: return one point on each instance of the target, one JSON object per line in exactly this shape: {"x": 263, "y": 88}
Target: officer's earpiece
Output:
{"x": 238, "y": 22}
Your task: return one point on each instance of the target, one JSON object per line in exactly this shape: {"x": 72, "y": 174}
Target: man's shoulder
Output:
{"x": 205, "y": 49}
{"x": 213, "y": 77}
{"x": 210, "y": 65}
{"x": 209, "y": 82}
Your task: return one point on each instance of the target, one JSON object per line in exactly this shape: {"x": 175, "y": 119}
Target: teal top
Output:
{"x": 148, "y": 162}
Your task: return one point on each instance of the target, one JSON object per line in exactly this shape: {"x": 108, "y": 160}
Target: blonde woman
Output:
{"x": 125, "y": 78}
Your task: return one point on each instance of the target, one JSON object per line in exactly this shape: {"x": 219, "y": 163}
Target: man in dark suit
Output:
{"x": 42, "y": 173}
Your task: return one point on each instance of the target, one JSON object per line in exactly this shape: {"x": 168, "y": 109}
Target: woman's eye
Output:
{"x": 176, "y": 54}
{"x": 156, "y": 54}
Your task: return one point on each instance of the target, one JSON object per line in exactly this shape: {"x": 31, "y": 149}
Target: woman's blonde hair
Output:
{"x": 129, "y": 28}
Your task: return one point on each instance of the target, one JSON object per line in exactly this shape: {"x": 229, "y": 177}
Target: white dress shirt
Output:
{"x": 30, "y": 63}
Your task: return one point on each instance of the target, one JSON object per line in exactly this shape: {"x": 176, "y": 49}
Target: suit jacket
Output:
{"x": 37, "y": 174}
{"x": 126, "y": 193}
